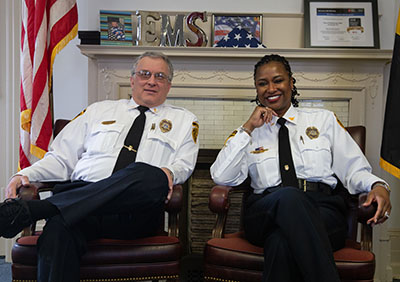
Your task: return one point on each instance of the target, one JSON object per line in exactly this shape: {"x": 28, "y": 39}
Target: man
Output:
{"x": 117, "y": 188}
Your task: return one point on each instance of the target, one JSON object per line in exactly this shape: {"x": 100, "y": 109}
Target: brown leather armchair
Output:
{"x": 150, "y": 258}
{"x": 230, "y": 257}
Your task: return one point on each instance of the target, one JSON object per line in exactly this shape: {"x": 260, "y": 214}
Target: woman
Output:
{"x": 283, "y": 148}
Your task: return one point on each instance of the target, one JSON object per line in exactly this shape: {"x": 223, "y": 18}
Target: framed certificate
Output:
{"x": 341, "y": 23}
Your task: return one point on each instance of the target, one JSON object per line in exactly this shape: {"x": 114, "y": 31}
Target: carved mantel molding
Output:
{"x": 101, "y": 51}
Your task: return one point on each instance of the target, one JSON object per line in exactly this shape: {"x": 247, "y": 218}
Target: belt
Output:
{"x": 314, "y": 186}
{"x": 306, "y": 186}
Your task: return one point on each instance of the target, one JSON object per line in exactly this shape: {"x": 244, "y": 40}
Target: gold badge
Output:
{"x": 165, "y": 125}
{"x": 312, "y": 132}
{"x": 195, "y": 131}
{"x": 106, "y": 122}
{"x": 258, "y": 150}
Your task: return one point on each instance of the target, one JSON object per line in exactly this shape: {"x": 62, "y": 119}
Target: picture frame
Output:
{"x": 115, "y": 28}
{"x": 341, "y": 24}
{"x": 223, "y": 23}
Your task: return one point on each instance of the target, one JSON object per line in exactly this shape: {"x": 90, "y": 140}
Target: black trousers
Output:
{"x": 127, "y": 205}
{"x": 298, "y": 231}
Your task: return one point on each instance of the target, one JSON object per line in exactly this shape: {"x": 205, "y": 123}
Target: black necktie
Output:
{"x": 128, "y": 152}
{"x": 286, "y": 166}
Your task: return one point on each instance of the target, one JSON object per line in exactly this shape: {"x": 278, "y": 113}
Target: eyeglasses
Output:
{"x": 158, "y": 76}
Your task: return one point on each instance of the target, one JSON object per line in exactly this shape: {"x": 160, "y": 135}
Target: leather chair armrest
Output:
{"x": 175, "y": 204}
{"x": 28, "y": 192}
{"x": 219, "y": 197}
{"x": 31, "y": 192}
{"x": 173, "y": 207}
{"x": 365, "y": 213}
{"x": 219, "y": 203}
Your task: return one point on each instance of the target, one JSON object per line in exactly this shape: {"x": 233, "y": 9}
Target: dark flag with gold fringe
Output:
{"x": 390, "y": 150}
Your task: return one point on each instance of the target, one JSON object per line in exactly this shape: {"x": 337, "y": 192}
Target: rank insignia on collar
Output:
{"x": 258, "y": 150}
{"x": 312, "y": 132}
{"x": 165, "y": 125}
{"x": 153, "y": 126}
{"x": 195, "y": 131}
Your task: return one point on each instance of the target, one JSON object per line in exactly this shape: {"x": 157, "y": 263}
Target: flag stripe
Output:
{"x": 46, "y": 24}
{"x": 398, "y": 24}
{"x": 390, "y": 168}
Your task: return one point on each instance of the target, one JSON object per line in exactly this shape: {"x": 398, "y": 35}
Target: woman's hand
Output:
{"x": 259, "y": 116}
{"x": 379, "y": 195}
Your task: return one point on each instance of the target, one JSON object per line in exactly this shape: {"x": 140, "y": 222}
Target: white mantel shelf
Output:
{"x": 103, "y": 51}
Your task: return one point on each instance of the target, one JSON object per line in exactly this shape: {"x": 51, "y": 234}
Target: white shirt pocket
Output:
{"x": 166, "y": 140}
{"x": 103, "y": 138}
{"x": 264, "y": 168}
{"x": 317, "y": 157}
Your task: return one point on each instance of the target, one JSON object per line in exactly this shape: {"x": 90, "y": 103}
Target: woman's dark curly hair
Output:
{"x": 277, "y": 58}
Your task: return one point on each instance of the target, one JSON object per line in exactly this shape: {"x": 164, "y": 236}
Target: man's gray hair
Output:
{"x": 155, "y": 55}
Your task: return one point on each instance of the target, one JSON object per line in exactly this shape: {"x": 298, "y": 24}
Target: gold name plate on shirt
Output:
{"x": 106, "y": 122}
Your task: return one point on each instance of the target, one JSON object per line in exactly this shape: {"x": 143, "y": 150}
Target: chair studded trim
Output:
{"x": 208, "y": 278}
{"x": 117, "y": 279}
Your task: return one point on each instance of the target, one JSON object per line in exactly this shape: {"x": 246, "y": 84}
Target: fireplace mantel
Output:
{"x": 101, "y": 51}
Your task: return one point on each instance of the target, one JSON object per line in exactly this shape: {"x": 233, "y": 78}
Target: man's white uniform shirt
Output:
{"x": 321, "y": 148}
{"x": 88, "y": 147}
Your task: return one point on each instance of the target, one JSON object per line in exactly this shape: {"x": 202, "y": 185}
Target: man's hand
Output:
{"x": 170, "y": 182}
{"x": 16, "y": 182}
{"x": 379, "y": 195}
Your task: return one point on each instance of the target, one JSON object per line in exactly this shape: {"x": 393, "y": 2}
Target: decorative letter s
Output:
{"x": 201, "y": 36}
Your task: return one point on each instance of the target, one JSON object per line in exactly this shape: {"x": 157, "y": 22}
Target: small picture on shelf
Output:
{"x": 115, "y": 28}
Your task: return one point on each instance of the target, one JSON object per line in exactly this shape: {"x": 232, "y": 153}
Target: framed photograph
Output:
{"x": 115, "y": 28}
{"x": 223, "y": 24}
{"x": 341, "y": 23}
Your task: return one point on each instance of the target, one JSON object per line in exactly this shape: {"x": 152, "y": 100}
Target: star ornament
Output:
{"x": 238, "y": 37}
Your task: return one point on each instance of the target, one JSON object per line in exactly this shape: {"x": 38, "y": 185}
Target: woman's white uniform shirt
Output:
{"x": 321, "y": 148}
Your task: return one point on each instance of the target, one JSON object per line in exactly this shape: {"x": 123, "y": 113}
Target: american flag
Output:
{"x": 47, "y": 26}
{"x": 239, "y": 37}
{"x": 224, "y": 24}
